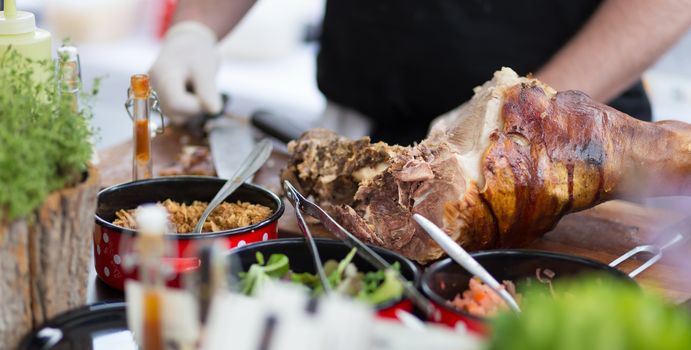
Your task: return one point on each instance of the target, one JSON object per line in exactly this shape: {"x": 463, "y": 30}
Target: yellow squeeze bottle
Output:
{"x": 18, "y": 30}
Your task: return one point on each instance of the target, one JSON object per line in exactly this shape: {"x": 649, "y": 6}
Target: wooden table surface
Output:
{"x": 602, "y": 233}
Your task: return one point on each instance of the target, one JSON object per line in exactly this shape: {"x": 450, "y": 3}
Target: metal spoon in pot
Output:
{"x": 249, "y": 166}
{"x": 460, "y": 256}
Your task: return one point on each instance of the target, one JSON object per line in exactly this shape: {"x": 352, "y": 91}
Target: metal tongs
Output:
{"x": 465, "y": 260}
{"x": 302, "y": 205}
{"x": 675, "y": 234}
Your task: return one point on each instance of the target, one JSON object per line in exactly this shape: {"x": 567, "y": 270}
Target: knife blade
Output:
{"x": 230, "y": 141}
{"x": 282, "y": 128}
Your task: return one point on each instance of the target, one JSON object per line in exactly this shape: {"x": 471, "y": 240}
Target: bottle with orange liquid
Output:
{"x": 150, "y": 247}
{"x": 141, "y": 101}
{"x": 139, "y": 96}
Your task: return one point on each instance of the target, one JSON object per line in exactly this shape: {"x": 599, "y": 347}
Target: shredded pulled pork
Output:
{"x": 183, "y": 217}
{"x": 480, "y": 300}
{"x": 192, "y": 160}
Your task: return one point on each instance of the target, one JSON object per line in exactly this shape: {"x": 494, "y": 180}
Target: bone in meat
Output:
{"x": 499, "y": 171}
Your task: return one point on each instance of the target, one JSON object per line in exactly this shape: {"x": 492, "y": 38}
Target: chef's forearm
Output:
{"x": 219, "y": 15}
{"x": 620, "y": 41}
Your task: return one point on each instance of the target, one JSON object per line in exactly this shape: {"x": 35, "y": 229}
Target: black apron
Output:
{"x": 404, "y": 62}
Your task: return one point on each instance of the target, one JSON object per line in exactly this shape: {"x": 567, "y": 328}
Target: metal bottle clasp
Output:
{"x": 155, "y": 104}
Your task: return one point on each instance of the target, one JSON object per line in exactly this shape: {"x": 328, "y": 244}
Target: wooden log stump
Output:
{"x": 44, "y": 260}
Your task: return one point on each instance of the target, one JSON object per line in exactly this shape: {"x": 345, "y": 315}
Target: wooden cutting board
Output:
{"x": 602, "y": 233}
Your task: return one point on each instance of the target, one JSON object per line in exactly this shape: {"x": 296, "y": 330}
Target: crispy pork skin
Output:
{"x": 498, "y": 171}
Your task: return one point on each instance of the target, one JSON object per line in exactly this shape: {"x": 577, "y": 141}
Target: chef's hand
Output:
{"x": 184, "y": 74}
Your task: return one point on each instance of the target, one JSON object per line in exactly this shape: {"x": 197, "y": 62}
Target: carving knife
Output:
{"x": 280, "y": 127}
{"x": 230, "y": 139}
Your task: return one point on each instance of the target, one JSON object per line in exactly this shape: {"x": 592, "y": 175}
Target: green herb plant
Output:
{"x": 44, "y": 144}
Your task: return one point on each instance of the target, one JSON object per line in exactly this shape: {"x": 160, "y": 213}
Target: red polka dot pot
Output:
{"x": 301, "y": 261}
{"x": 112, "y": 244}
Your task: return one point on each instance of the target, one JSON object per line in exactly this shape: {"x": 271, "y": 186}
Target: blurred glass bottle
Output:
{"x": 69, "y": 73}
{"x": 140, "y": 93}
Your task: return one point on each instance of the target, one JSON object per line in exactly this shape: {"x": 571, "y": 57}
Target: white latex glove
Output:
{"x": 188, "y": 57}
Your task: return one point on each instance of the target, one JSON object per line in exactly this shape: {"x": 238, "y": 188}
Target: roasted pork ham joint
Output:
{"x": 498, "y": 171}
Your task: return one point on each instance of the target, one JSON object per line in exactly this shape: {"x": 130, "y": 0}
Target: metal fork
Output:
{"x": 675, "y": 234}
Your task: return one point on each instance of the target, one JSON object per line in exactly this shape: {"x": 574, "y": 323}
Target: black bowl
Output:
{"x": 445, "y": 279}
{"x": 301, "y": 260}
{"x": 92, "y": 324}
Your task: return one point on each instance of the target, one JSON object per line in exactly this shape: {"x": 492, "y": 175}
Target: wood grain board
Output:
{"x": 602, "y": 233}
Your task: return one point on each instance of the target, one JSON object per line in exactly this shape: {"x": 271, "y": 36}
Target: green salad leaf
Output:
{"x": 382, "y": 286}
{"x": 307, "y": 279}
{"x": 263, "y": 273}
{"x": 336, "y": 277}
{"x": 593, "y": 314}
{"x": 372, "y": 287}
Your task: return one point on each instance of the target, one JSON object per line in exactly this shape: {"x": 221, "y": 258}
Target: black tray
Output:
{"x": 98, "y": 326}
